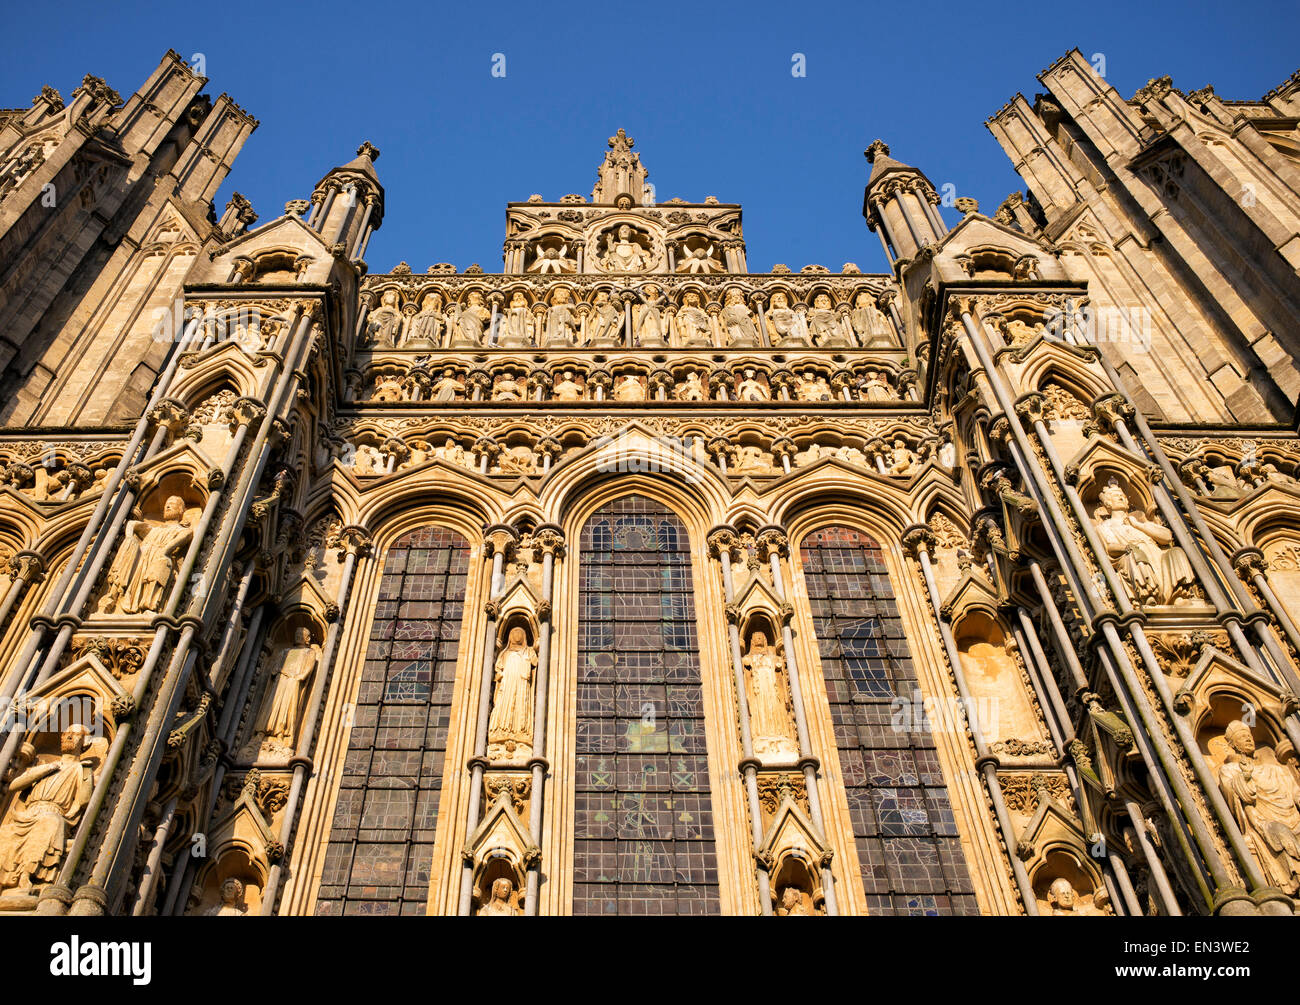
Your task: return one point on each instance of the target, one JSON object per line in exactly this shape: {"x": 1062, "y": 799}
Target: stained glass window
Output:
{"x": 909, "y": 852}
{"x": 643, "y": 824}
{"x": 381, "y": 842}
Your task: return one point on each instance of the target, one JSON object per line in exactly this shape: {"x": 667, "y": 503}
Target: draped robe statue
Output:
{"x": 34, "y": 835}
{"x": 145, "y": 562}
{"x": 282, "y": 708}
{"x": 768, "y": 715}
{"x": 1156, "y": 570}
{"x": 510, "y": 727}
{"x": 1264, "y": 798}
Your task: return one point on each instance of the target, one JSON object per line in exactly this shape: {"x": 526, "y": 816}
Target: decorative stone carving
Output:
{"x": 232, "y": 903}
{"x": 501, "y": 904}
{"x": 553, "y": 261}
{"x": 622, "y": 253}
{"x": 146, "y": 561}
{"x": 567, "y": 389}
{"x": 738, "y": 322}
{"x": 516, "y": 330}
{"x": 385, "y": 321}
{"x": 1263, "y": 797}
{"x": 510, "y": 727}
{"x": 698, "y": 261}
{"x": 810, "y": 386}
{"x": 651, "y": 326}
{"x": 751, "y": 389}
{"x": 771, "y": 729}
{"x": 468, "y": 322}
{"x": 447, "y": 387}
{"x": 823, "y": 325}
{"x": 1155, "y": 570}
{"x": 692, "y": 323}
{"x": 561, "y": 321}
{"x": 276, "y": 731}
{"x": 875, "y": 387}
{"x": 607, "y": 321}
{"x": 427, "y": 326}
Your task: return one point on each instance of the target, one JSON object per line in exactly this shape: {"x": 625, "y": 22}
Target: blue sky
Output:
{"x": 705, "y": 89}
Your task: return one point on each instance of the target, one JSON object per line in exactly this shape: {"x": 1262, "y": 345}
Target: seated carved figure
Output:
{"x": 1154, "y": 568}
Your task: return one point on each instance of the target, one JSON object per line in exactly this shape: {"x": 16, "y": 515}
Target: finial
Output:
{"x": 877, "y": 148}
{"x": 369, "y": 150}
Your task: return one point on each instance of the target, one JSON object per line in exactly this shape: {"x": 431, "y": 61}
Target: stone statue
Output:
{"x": 553, "y": 261}
{"x": 500, "y": 904}
{"x": 567, "y": 389}
{"x": 737, "y": 321}
{"x": 876, "y": 388}
{"x": 1064, "y": 901}
{"x": 651, "y": 328}
{"x": 385, "y": 321}
{"x": 49, "y": 800}
{"x": 467, "y": 328}
{"x": 629, "y": 388}
{"x": 791, "y": 904}
{"x": 232, "y": 903}
{"x": 146, "y": 561}
{"x": 902, "y": 461}
{"x": 823, "y": 325}
{"x": 510, "y": 728}
{"x": 751, "y": 460}
{"x": 624, "y": 254}
{"x": 751, "y": 389}
{"x": 507, "y": 387}
{"x": 811, "y": 387}
{"x": 692, "y": 323}
{"x": 277, "y": 726}
{"x": 447, "y": 387}
{"x": 561, "y": 322}
{"x": 699, "y": 261}
{"x": 867, "y": 324}
{"x": 451, "y": 452}
{"x": 388, "y": 388}
{"x": 1155, "y": 570}
{"x": 768, "y": 713}
{"x": 426, "y": 327}
{"x": 608, "y": 321}
{"x": 1264, "y": 798}
{"x": 516, "y": 329}
{"x": 691, "y": 389}
{"x": 784, "y": 324}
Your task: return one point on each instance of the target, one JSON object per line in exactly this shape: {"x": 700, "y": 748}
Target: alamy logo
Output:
{"x": 75, "y": 958}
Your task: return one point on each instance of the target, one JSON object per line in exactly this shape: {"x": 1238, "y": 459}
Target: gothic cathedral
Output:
{"x": 626, "y": 580}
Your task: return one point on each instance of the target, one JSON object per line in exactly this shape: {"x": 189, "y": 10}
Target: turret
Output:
{"x": 348, "y": 203}
{"x": 899, "y": 204}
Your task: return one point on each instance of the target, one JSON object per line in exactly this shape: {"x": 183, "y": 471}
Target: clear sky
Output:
{"x": 706, "y": 90}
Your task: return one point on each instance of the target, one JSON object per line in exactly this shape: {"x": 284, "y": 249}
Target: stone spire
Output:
{"x": 622, "y": 176}
{"x": 899, "y": 202}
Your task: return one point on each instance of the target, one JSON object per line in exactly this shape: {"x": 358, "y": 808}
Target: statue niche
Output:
{"x": 771, "y": 729}
{"x": 147, "y": 559}
{"x": 1003, "y": 707}
{"x": 1065, "y": 890}
{"x": 47, "y": 797}
{"x": 510, "y": 726}
{"x": 627, "y": 249}
{"x": 1263, "y": 796}
{"x": 275, "y": 726}
{"x": 1155, "y": 570}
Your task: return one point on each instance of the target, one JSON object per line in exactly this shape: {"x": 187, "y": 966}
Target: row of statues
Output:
{"x": 653, "y": 323}
{"x": 692, "y": 384}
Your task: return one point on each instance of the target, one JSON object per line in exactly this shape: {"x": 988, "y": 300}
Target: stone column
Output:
{"x": 550, "y": 540}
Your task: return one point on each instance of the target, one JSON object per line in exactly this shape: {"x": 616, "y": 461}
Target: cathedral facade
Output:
{"x": 626, "y": 580}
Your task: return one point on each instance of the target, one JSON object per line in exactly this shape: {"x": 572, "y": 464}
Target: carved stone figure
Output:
{"x": 751, "y": 389}
{"x": 146, "y": 561}
{"x": 561, "y": 322}
{"x": 508, "y": 387}
{"x": 823, "y": 325}
{"x": 277, "y": 723}
{"x": 624, "y": 254}
{"x": 500, "y": 904}
{"x": 516, "y": 328}
{"x": 607, "y": 322}
{"x": 1064, "y": 901}
{"x": 651, "y": 328}
{"x": 751, "y": 460}
{"x": 567, "y": 389}
{"x": 901, "y": 460}
{"x": 510, "y": 727}
{"x": 698, "y": 261}
{"x": 447, "y": 387}
{"x": 737, "y": 321}
{"x": 791, "y": 904}
{"x": 769, "y": 716}
{"x": 629, "y": 388}
{"x": 692, "y": 323}
{"x": 467, "y": 329}
{"x": 385, "y": 321}
{"x": 451, "y": 452}
{"x": 1264, "y": 798}
{"x": 426, "y": 327}
{"x": 811, "y": 386}
{"x": 876, "y": 388}
{"x": 49, "y": 799}
{"x": 1154, "y": 568}
{"x": 691, "y": 389}
{"x": 232, "y": 903}
{"x": 785, "y": 326}
{"x": 867, "y": 323}
{"x": 388, "y": 387}
{"x": 553, "y": 261}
